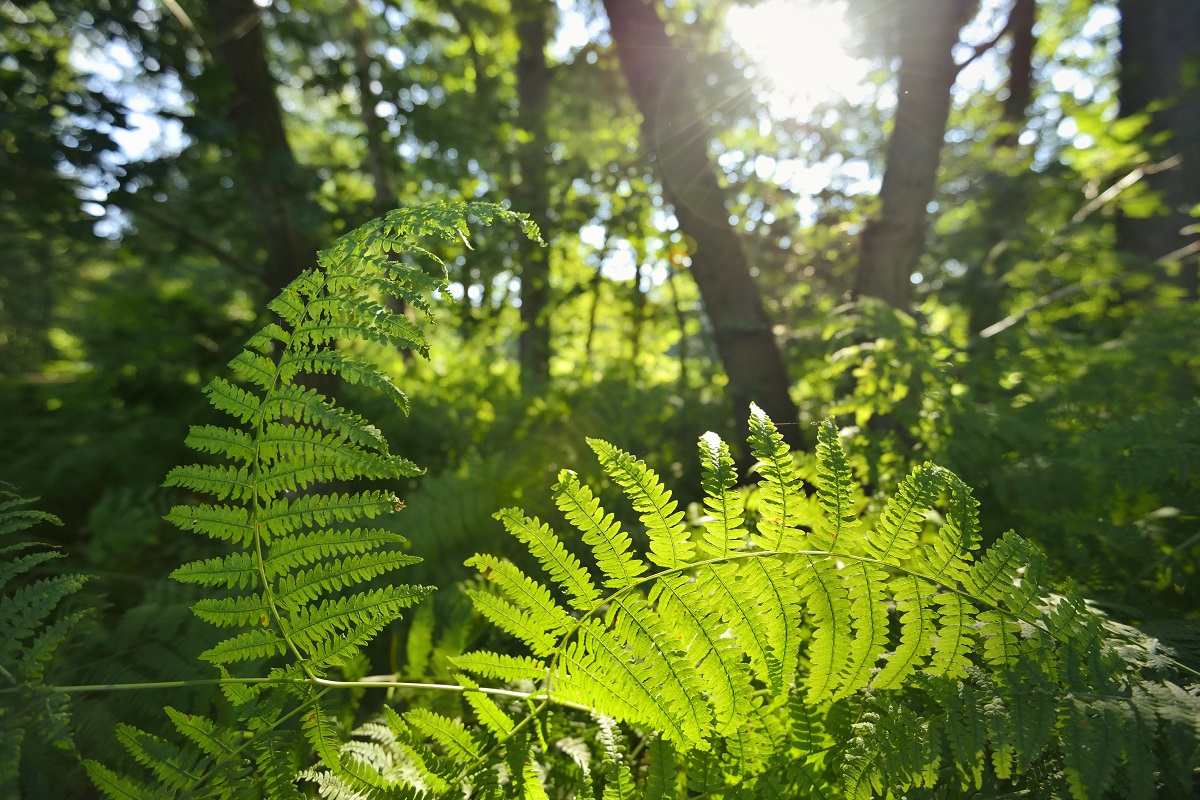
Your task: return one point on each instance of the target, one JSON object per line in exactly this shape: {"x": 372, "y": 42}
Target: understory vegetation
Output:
{"x": 789, "y": 639}
{"x": 576, "y": 400}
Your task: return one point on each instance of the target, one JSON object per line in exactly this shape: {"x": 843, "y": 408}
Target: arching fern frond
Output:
{"x": 301, "y": 597}
{"x": 821, "y": 650}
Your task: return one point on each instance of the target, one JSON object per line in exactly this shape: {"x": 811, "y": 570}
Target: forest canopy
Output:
{"x": 942, "y": 253}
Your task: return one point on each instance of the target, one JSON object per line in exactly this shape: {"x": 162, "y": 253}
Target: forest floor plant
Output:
{"x": 792, "y": 647}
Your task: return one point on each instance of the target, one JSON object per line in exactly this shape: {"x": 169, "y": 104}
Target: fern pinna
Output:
{"x": 294, "y": 590}
{"x": 805, "y": 654}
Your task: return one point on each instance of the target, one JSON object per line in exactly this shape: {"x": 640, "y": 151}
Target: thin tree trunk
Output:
{"x": 984, "y": 288}
{"x": 892, "y": 242}
{"x": 638, "y": 313}
{"x": 1020, "y": 63}
{"x": 681, "y": 323}
{"x": 532, "y": 194}
{"x": 377, "y": 161}
{"x": 1159, "y": 40}
{"x": 280, "y": 195}
{"x": 676, "y": 135}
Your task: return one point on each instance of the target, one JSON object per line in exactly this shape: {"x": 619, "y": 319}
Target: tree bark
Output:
{"x": 676, "y": 135}
{"x": 1020, "y": 63}
{"x": 1160, "y": 39}
{"x": 532, "y": 194}
{"x": 265, "y": 163}
{"x": 377, "y": 160}
{"x": 892, "y": 242}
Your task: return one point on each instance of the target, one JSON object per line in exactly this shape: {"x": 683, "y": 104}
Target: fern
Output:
{"x": 920, "y": 660}
{"x": 32, "y": 627}
{"x": 297, "y": 593}
{"x": 808, "y": 644}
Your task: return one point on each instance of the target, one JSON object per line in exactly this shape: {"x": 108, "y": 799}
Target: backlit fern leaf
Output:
{"x": 669, "y": 545}
{"x": 780, "y": 496}
{"x": 609, "y": 543}
{"x": 723, "y": 533}
{"x": 834, "y": 489}
{"x": 709, "y": 652}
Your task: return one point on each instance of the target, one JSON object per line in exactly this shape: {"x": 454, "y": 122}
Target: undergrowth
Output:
{"x": 806, "y": 644}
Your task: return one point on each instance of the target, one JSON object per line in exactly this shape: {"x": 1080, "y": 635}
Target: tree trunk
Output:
{"x": 675, "y": 133}
{"x": 377, "y": 160}
{"x": 265, "y": 163}
{"x": 1160, "y": 39}
{"x": 892, "y": 242}
{"x": 1020, "y": 63}
{"x": 532, "y": 194}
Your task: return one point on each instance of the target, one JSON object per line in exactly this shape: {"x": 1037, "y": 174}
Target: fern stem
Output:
{"x": 385, "y": 682}
{"x": 372, "y": 682}
{"x": 256, "y": 508}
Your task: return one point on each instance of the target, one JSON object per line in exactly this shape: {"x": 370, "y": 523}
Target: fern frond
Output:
{"x": 956, "y": 635}
{"x": 828, "y": 602}
{"x": 514, "y": 621}
{"x": 723, "y": 534}
{"x": 300, "y": 588}
{"x": 355, "y": 615}
{"x": 546, "y": 547}
{"x": 951, "y": 554}
{"x": 499, "y": 666}
{"x": 677, "y": 684}
{"x": 618, "y": 780}
{"x": 287, "y": 553}
{"x": 459, "y": 743}
{"x": 660, "y": 771}
{"x": 233, "y": 400}
{"x": 119, "y": 787}
{"x": 309, "y": 407}
{"x": 734, "y": 597}
{"x": 524, "y": 591}
{"x": 229, "y": 442}
{"x": 213, "y": 740}
{"x": 780, "y": 495}
{"x": 669, "y": 545}
{"x": 701, "y": 632}
{"x": 776, "y": 611}
{"x": 600, "y": 530}
{"x": 867, "y": 588}
{"x": 490, "y": 715}
{"x": 834, "y": 487}
{"x": 598, "y": 670}
{"x": 918, "y": 631}
{"x": 175, "y": 767}
{"x": 899, "y": 526}
{"x": 33, "y": 625}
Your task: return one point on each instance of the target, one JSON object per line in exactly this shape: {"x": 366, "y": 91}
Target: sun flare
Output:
{"x": 799, "y": 48}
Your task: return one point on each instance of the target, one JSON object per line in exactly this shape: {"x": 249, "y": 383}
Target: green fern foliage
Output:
{"x": 32, "y": 627}
{"x": 299, "y": 591}
{"x": 792, "y": 641}
{"x": 822, "y": 648}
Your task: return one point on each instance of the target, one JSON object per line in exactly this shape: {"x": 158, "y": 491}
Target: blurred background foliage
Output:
{"x": 979, "y": 248}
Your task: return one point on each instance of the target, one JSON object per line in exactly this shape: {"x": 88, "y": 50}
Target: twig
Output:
{"x": 981, "y": 49}
{"x": 1109, "y": 194}
{"x": 186, "y": 22}
{"x": 1042, "y": 302}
